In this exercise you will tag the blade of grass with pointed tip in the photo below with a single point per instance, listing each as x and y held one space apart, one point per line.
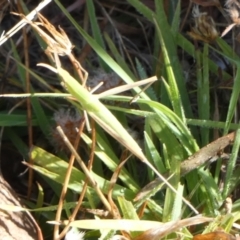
139 225
175 78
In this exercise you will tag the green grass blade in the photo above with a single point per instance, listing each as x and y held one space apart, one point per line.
231 165
153 154
142 8
203 92
174 74
212 192
120 60
234 100
143 75
38 110
17 142
55 169
15 119
176 19
96 31
211 124
129 212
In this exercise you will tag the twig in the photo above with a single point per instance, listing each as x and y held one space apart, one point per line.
85 170
22 23
211 152
66 181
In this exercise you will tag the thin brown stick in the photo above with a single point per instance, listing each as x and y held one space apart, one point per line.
85 170
84 189
93 147
211 152
29 108
114 210
186 16
141 210
66 180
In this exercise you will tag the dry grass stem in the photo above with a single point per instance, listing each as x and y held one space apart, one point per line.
85 170
23 22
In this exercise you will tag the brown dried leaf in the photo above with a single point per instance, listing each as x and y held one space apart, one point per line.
211 152
217 235
169 227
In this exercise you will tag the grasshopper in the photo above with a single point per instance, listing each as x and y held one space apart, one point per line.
59 44
106 119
